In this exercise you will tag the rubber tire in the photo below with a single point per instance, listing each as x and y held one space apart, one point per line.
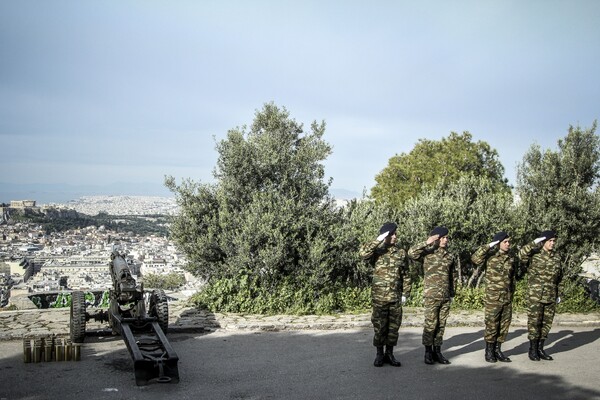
159 308
77 317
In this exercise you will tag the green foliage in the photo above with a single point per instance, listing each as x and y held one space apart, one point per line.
244 294
520 298
268 223
138 224
559 190
268 239
416 294
576 299
433 162
472 208
469 298
169 281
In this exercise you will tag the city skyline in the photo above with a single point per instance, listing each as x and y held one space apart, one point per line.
117 95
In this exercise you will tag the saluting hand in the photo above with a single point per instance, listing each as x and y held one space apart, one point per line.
495 242
383 236
432 238
540 239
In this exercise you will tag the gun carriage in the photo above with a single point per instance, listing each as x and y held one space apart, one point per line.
143 330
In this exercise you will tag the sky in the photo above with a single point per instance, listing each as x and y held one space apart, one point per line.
105 92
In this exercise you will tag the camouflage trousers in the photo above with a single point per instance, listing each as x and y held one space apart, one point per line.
436 314
497 321
539 319
386 319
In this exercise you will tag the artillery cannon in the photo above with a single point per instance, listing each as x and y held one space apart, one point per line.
144 331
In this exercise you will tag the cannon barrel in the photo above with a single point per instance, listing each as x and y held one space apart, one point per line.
124 284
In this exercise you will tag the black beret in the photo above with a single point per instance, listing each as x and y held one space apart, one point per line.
549 234
500 236
388 227
439 230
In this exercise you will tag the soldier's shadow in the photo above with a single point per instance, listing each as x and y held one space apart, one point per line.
566 340
557 342
463 343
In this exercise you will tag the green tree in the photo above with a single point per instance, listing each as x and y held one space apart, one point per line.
559 190
472 208
268 222
169 281
431 162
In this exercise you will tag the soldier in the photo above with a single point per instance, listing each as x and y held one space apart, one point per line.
500 277
544 276
438 290
391 287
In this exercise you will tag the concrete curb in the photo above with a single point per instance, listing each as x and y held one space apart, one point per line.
14 325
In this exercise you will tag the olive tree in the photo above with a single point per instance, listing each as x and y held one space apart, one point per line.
269 219
559 190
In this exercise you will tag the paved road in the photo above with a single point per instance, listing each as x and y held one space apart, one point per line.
315 365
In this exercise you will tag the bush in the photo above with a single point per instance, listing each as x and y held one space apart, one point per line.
245 295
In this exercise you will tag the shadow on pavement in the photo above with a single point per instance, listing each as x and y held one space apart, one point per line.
292 365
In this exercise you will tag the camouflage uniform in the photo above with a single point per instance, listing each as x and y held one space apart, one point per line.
544 276
438 288
391 281
500 277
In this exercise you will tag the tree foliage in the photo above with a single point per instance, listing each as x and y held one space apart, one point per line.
559 190
269 217
268 237
472 208
431 162
169 281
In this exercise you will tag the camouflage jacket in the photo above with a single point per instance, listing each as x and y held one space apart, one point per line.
500 273
544 272
438 270
391 279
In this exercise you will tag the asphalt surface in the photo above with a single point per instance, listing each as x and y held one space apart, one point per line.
315 364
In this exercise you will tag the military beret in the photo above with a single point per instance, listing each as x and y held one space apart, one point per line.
439 230
549 234
388 227
500 236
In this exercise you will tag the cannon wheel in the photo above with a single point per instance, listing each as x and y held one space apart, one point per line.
77 317
159 308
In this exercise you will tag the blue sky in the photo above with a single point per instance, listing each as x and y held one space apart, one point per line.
97 92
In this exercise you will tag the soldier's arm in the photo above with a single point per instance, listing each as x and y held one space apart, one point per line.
478 258
453 278
368 249
527 251
406 281
519 269
417 250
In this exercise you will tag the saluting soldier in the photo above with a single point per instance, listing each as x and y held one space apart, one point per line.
438 289
500 275
391 287
544 277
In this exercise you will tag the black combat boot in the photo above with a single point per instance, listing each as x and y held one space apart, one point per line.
428 355
379 357
541 353
533 350
499 354
490 355
438 356
389 357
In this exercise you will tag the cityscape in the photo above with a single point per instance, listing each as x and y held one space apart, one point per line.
34 261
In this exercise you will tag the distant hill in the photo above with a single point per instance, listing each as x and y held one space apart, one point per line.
60 193
44 193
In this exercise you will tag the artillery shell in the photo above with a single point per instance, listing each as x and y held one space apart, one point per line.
77 351
27 350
